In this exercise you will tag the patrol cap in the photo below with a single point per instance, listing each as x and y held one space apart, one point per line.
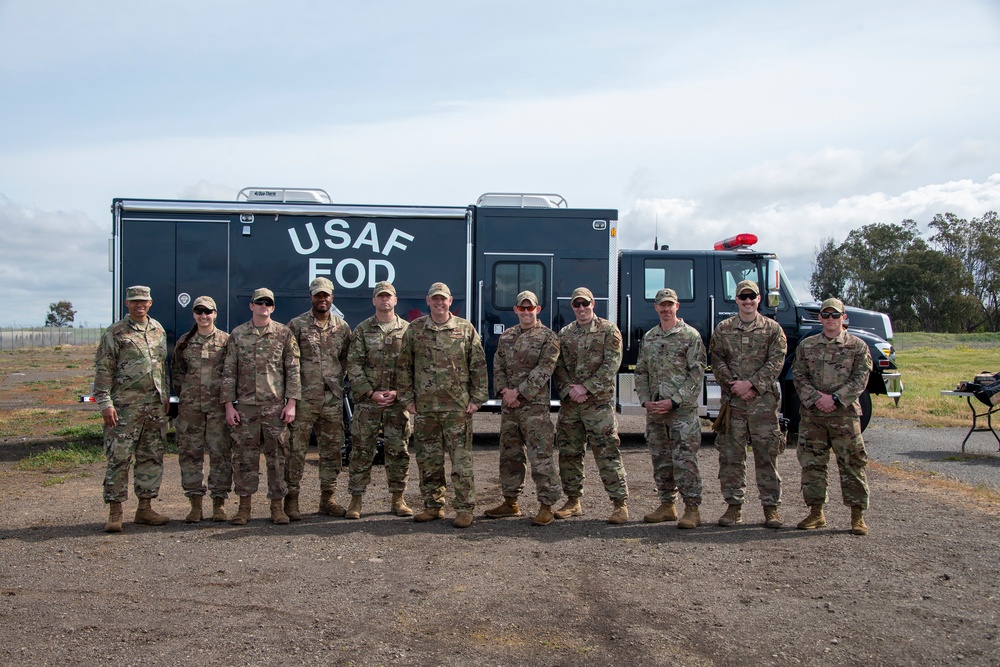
321 285
747 285
527 295
138 293
384 287
262 293
836 304
206 301
665 294
581 293
438 289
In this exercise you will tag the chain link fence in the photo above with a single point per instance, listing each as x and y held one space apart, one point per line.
17 339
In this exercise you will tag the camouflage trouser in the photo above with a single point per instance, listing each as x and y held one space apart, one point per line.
754 424
437 433
582 422
199 432
526 435
141 432
328 421
817 435
260 428
394 422
674 440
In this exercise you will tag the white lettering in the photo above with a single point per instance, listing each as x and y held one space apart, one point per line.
374 265
314 267
358 266
313 241
393 243
368 237
343 238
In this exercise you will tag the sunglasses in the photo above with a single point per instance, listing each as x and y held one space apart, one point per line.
524 309
263 302
203 311
827 316
581 304
746 297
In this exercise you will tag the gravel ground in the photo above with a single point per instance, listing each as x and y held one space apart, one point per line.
923 588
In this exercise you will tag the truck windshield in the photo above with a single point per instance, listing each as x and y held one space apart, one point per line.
786 287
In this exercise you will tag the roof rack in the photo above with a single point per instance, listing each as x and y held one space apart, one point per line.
522 200
314 195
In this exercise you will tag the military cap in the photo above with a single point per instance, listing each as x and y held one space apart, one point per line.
665 294
836 304
206 301
438 289
581 293
747 285
138 293
527 295
384 287
321 285
262 293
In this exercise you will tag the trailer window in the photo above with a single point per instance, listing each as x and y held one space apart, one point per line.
677 274
512 278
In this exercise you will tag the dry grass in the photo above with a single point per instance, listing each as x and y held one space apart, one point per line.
946 490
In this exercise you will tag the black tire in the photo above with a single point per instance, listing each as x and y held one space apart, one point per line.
866 409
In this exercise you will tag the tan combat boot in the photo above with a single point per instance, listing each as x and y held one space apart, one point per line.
429 514
219 509
620 515
146 515
194 516
399 506
114 524
292 510
328 505
508 507
771 517
733 516
278 515
243 513
858 525
665 512
544 516
462 520
815 518
571 508
691 518
354 509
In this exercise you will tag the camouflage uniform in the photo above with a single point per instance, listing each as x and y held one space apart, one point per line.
323 355
752 351
201 418
371 366
589 355
130 375
833 366
261 371
671 365
442 369
524 361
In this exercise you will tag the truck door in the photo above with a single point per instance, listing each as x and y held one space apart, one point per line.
505 276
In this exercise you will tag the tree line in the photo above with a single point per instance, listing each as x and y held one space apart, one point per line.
948 282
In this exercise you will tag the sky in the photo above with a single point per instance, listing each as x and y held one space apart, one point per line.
796 121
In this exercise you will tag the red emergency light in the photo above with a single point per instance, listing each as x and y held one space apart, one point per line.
738 241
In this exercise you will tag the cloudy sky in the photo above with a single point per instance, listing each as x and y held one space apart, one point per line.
797 121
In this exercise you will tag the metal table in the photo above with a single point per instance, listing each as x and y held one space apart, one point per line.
987 412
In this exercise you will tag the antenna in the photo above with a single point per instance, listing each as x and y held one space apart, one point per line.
656 233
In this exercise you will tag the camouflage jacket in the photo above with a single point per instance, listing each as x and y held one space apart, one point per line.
671 365
372 357
832 366
196 369
130 365
589 355
261 369
525 360
322 354
754 351
442 367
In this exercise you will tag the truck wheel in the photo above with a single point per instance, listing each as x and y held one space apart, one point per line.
866 409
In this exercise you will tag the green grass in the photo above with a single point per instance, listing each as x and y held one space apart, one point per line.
82 432
62 459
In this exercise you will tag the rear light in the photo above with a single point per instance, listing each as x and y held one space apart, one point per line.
884 363
738 241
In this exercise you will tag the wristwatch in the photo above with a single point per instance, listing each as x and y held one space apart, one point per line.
837 402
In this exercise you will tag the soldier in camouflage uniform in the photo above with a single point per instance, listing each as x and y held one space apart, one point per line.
442 380
201 418
748 351
130 386
830 372
669 375
522 367
323 339
590 351
371 368
260 387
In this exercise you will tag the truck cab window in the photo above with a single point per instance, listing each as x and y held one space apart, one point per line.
677 274
511 278
734 271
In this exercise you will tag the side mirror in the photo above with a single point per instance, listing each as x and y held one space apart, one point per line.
773 298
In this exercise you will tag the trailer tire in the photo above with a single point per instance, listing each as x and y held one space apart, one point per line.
866 409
